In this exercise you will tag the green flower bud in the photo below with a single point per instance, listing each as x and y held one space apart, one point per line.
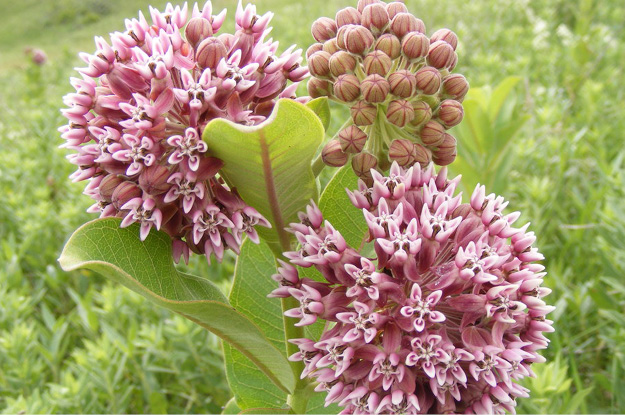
402 151
443 160
415 45
377 62
352 139
403 83
358 39
362 164
209 53
331 46
447 36
315 47
323 29
332 155
422 155
404 23
447 147
363 113
400 112
455 86
428 80
450 113
319 88
389 44
197 30
432 134
422 113
347 88
374 88
375 17
346 16
342 62
319 64
440 54
395 7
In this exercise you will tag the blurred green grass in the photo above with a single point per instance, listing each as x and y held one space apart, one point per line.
76 343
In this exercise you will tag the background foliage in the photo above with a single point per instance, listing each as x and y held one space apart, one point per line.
76 343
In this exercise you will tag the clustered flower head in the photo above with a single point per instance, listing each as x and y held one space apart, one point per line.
140 108
441 311
397 81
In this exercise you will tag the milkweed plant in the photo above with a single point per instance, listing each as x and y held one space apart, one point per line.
386 292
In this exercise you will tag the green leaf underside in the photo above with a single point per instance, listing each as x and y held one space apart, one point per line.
231 408
269 164
321 107
252 283
147 268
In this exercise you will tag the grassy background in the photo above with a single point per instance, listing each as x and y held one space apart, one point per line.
77 343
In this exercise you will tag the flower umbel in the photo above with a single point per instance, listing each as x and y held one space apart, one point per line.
442 314
141 105
397 81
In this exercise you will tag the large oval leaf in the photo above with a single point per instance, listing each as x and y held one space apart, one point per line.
147 268
252 283
269 164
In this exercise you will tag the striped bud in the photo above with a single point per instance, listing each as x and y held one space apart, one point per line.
362 164
364 3
440 54
197 30
315 47
323 29
377 62
443 160
346 16
422 113
374 88
428 80
422 155
404 23
153 179
319 88
123 193
108 185
331 46
319 64
432 134
403 83
399 112
347 88
455 86
447 147
450 113
375 17
389 44
342 62
210 52
332 155
357 39
352 139
415 45
402 151
395 7
363 113
447 36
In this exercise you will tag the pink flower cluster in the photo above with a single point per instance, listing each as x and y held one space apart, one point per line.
140 108
441 310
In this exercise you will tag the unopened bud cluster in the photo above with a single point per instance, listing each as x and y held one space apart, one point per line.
140 108
397 81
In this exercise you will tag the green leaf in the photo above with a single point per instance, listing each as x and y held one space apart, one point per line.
231 408
269 164
500 96
147 268
266 411
252 283
339 210
317 402
322 109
